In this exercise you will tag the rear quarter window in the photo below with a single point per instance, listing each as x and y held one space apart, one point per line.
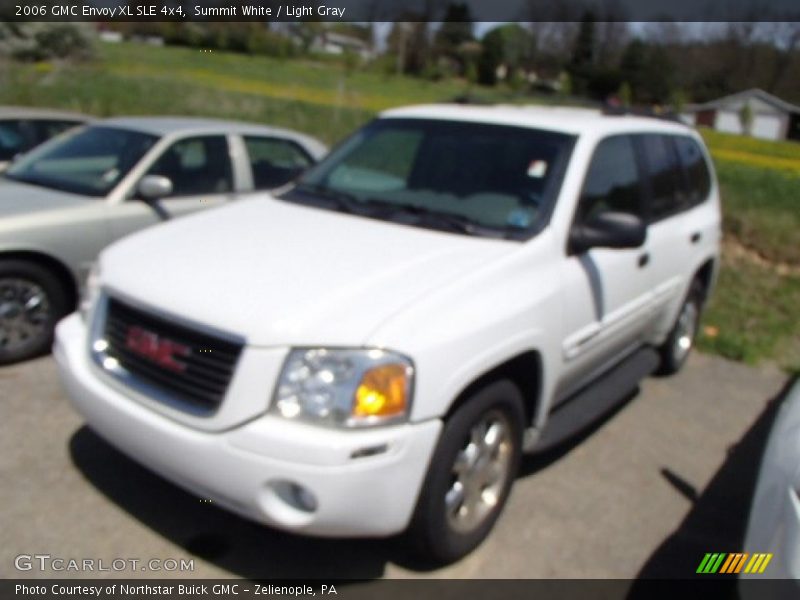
696 169
665 176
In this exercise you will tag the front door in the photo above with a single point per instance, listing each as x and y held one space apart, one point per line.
607 296
201 175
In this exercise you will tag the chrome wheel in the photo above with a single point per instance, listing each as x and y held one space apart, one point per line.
480 472
685 330
25 313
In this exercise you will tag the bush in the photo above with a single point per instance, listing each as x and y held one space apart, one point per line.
44 41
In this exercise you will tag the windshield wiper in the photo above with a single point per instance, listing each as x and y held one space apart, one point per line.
449 221
383 209
344 201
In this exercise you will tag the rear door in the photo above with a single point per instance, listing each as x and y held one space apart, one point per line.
668 199
607 293
682 227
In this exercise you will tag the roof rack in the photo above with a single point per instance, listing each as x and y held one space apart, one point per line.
640 111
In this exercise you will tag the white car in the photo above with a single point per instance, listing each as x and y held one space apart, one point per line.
370 351
774 526
66 200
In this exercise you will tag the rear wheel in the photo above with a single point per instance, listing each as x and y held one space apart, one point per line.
470 474
675 350
32 300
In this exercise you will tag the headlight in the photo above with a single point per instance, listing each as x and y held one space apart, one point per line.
90 291
344 387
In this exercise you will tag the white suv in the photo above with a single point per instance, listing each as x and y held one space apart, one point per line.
371 350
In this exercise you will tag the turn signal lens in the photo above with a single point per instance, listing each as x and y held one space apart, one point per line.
383 392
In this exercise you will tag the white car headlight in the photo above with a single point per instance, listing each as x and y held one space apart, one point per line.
90 291
344 387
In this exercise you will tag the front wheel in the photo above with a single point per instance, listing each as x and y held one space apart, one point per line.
470 474
31 302
680 341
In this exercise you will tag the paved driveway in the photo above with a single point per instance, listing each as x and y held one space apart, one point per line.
667 477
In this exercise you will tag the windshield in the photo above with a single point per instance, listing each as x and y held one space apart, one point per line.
472 178
89 161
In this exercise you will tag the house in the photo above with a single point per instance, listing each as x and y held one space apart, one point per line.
769 117
330 42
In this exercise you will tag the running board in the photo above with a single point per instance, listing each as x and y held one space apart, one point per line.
598 398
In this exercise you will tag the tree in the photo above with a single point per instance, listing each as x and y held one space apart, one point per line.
453 34
649 71
625 94
45 41
581 64
410 43
746 118
507 45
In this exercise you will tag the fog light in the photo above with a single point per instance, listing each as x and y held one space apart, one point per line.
304 498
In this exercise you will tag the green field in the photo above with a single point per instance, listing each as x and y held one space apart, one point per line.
755 313
321 98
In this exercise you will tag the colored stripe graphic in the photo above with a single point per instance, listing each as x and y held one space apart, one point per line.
740 564
765 563
722 562
701 568
730 561
716 565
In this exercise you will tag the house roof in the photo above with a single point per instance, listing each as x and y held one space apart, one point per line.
745 95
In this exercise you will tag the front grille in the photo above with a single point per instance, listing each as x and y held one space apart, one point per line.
198 376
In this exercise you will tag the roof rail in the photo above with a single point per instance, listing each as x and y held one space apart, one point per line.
640 111
468 99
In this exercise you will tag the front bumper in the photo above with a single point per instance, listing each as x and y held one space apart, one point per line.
363 483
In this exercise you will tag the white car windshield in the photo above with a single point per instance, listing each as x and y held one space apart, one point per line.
89 161
465 177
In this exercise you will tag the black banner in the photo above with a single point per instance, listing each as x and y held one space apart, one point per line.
706 587
399 10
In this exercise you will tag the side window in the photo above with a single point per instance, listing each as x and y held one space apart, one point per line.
694 164
199 165
667 193
12 139
275 161
612 182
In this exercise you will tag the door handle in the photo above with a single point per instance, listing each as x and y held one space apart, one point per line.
695 237
644 259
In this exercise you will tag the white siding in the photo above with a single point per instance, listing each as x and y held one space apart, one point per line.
767 127
728 121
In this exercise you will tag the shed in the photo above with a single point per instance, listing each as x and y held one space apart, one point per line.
772 118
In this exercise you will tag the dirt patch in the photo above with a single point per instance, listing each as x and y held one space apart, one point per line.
733 249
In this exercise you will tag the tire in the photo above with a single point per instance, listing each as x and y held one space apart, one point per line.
32 300
451 518
676 349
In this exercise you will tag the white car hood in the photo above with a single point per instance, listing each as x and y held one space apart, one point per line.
282 274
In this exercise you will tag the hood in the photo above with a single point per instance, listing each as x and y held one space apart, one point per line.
278 273
18 199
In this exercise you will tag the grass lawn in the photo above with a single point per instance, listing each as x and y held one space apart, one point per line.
320 98
755 313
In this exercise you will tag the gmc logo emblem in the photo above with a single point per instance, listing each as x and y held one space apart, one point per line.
161 351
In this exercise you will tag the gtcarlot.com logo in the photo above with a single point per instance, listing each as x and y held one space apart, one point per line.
741 562
47 562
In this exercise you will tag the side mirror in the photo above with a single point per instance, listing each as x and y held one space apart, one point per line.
154 187
608 230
